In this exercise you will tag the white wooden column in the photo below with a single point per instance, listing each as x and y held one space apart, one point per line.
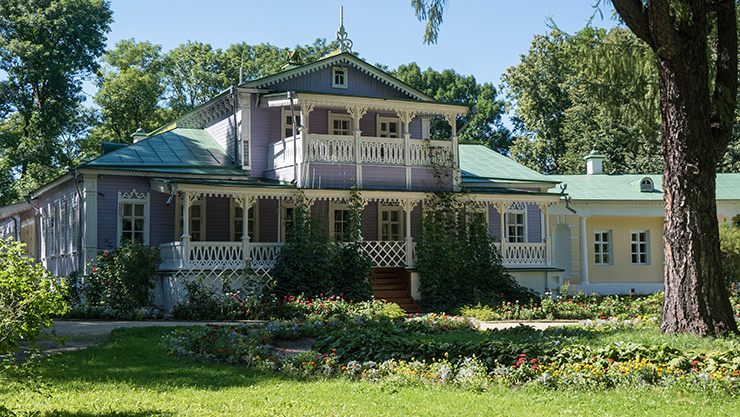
456 178
306 109
408 207
90 224
187 200
501 207
245 202
406 116
584 252
357 113
544 209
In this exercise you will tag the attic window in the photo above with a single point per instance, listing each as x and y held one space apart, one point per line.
339 77
646 185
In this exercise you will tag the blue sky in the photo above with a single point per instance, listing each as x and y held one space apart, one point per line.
478 37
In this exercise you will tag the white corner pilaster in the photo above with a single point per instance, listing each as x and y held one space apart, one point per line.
245 130
584 252
90 225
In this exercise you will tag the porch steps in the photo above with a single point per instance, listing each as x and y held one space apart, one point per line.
392 284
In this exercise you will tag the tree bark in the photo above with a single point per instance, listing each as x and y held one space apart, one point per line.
696 129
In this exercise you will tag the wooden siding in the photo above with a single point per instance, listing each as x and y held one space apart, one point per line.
265 129
358 84
223 132
370 221
415 223
268 220
423 179
218 218
494 223
534 224
162 219
383 178
332 176
108 188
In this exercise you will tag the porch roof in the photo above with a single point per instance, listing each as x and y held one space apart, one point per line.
182 151
480 164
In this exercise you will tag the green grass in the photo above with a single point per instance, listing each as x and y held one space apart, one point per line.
130 375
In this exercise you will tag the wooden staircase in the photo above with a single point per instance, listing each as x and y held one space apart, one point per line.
394 285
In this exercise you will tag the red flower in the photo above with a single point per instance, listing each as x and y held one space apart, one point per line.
695 363
94 269
533 361
107 282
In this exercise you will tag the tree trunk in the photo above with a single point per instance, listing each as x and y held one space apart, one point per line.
696 300
696 127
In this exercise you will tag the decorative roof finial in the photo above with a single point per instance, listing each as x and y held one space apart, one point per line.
345 44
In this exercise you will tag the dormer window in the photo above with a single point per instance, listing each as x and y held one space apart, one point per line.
646 185
339 77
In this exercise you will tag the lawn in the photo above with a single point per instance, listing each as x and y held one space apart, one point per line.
130 374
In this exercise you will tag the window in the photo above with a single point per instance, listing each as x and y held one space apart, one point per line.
515 226
288 220
63 221
197 225
236 222
133 217
646 185
388 127
602 247
287 123
389 223
640 247
340 124
339 222
339 77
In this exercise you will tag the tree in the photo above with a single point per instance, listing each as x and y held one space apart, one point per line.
195 74
46 47
695 42
484 125
593 89
131 91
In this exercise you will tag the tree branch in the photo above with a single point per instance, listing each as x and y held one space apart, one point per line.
634 13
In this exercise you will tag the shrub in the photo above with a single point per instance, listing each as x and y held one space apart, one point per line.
729 243
29 297
123 277
457 260
351 265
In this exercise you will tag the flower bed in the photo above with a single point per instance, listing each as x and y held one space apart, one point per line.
445 350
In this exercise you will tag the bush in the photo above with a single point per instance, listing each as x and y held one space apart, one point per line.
124 277
457 260
729 243
29 298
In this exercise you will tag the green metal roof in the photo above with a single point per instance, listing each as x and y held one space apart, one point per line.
481 164
187 151
626 187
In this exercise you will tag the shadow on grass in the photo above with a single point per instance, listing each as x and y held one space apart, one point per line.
134 356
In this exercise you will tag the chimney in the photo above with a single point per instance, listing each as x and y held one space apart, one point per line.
594 163
139 135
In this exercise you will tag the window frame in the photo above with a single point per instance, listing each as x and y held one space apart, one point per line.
133 197
599 255
388 209
284 116
523 225
339 116
345 77
646 242
284 207
333 208
385 119
254 208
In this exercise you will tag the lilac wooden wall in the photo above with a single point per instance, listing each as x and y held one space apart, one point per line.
61 259
534 224
494 223
423 179
370 221
218 219
223 132
383 178
162 219
108 188
332 176
268 220
358 84
265 128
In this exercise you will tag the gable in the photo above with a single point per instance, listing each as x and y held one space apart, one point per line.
367 77
358 84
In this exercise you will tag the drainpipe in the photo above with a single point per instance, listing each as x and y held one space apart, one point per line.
291 96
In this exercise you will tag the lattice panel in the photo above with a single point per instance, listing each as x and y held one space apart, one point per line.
386 254
220 282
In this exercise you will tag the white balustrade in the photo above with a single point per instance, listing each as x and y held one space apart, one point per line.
172 256
525 254
280 153
205 255
264 255
386 254
331 148
386 151
433 152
